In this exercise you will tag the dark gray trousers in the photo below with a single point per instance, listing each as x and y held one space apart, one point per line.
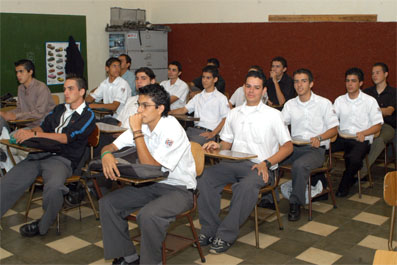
246 186
303 159
160 202
194 135
54 170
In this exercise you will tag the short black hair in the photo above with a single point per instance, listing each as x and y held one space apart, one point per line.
281 60
384 66
159 96
80 81
355 71
149 72
127 59
112 60
177 64
306 72
27 64
256 74
214 61
211 69
257 68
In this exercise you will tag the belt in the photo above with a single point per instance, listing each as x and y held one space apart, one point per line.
202 128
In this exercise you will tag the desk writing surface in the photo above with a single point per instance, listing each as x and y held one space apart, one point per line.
140 181
20 122
183 117
108 128
228 154
20 147
300 141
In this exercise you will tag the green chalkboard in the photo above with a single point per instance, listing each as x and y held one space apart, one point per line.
24 36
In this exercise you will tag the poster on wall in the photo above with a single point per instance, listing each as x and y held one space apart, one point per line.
56 61
116 44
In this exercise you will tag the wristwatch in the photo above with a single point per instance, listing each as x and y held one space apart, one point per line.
319 138
268 164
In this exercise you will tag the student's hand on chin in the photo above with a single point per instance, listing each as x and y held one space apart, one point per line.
136 121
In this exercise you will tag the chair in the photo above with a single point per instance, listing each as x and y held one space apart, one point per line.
384 257
326 169
93 141
174 243
266 189
387 161
55 98
390 197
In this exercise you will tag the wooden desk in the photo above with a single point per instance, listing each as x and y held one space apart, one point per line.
7 143
102 112
228 154
140 181
184 119
108 128
20 123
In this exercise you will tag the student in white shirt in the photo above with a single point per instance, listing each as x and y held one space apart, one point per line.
238 97
114 90
210 105
177 88
359 115
252 128
312 119
160 140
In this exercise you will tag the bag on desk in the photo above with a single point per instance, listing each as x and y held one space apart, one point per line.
129 166
44 144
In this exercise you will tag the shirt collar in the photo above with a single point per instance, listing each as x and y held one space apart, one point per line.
359 98
311 99
32 83
79 109
115 82
244 107
157 129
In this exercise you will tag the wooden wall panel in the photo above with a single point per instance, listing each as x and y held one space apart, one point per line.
328 49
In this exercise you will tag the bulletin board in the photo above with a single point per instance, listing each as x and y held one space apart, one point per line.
24 36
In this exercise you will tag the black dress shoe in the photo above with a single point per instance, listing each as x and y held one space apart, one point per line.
121 261
294 212
30 230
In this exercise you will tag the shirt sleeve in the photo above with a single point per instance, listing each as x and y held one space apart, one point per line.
330 118
123 92
226 133
224 107
126 139
181 92
191 104
171 147
233 98
375 114
281 130
98 93
286 114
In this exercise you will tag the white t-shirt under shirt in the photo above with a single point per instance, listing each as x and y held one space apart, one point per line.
118 90
170 147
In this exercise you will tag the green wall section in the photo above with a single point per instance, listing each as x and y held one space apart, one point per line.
24 36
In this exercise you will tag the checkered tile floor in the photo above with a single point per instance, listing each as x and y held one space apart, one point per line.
349 234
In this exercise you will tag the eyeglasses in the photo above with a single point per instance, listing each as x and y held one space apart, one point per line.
144 105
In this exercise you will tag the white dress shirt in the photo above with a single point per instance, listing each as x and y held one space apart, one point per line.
256 130
129 109
118 90
311 118
170 147
211 108
179 89
359 114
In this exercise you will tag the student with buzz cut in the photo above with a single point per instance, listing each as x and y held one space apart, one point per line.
252 128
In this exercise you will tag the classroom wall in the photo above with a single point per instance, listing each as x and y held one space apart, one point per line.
197 12
97 14
328 49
